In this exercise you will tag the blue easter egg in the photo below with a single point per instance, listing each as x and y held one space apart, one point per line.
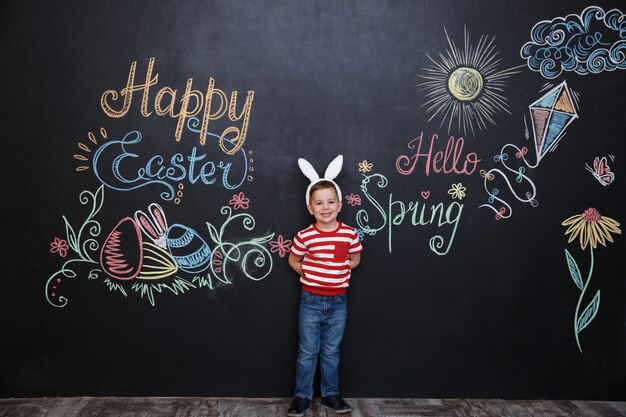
189 250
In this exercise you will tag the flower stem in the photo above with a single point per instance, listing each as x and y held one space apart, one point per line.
580 299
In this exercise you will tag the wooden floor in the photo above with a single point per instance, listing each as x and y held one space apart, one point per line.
259 407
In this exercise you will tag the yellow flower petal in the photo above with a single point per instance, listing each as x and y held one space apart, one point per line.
571 220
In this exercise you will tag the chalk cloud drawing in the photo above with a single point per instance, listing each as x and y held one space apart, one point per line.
550 116
464 86
589 43
590 228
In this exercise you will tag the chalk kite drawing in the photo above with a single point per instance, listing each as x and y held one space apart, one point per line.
590 228
464 86
550 116
601 171
589 43
144 253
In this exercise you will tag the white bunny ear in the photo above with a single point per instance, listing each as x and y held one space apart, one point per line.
334 168
158 216
308 170
155 225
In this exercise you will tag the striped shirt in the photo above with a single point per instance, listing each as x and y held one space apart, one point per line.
326 267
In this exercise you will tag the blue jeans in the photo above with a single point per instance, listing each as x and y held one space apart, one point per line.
321 325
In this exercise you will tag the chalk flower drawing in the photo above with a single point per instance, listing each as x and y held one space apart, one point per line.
280 246
239 201
82 242
365 166
59 245
353 199
457 191
590 228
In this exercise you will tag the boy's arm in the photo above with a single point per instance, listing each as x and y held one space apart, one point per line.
295 262
355 259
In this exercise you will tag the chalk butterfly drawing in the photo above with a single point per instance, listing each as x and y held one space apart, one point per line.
601 171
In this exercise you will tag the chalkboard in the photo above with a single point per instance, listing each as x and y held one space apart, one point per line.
152 193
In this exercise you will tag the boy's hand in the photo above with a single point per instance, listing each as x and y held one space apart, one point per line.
355 260
295 262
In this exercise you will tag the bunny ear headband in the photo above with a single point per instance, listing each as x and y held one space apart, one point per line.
331 173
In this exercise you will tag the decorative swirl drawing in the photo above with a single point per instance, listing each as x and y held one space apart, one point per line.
82 243
157 270
362 217
505 211
250 256
589 43
550 115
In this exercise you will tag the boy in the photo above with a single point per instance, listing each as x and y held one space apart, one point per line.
323 255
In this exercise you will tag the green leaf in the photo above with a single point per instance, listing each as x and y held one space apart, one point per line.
573 270
214 233
589 313
98 199
261 240
71 236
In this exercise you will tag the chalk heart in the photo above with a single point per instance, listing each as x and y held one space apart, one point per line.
425 194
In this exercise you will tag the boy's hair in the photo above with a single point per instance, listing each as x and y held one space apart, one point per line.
322 185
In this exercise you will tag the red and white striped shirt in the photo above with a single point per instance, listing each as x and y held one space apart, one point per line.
326 267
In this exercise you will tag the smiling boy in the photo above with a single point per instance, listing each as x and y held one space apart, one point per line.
323 255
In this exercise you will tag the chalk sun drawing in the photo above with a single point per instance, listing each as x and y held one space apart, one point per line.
464 87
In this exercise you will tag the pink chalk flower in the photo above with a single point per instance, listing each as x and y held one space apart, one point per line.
59 245
353 199
239 201
280 246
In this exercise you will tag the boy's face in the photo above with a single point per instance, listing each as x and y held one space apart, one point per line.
324 205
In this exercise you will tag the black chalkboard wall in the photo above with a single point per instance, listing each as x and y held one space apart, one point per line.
152 190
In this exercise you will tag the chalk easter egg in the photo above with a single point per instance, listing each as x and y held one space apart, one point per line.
122 252
188 248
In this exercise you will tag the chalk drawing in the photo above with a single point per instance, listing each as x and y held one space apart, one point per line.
589 43
143 254
550 115
591 229
601 171
464 86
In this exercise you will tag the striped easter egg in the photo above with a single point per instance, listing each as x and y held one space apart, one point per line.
188 248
